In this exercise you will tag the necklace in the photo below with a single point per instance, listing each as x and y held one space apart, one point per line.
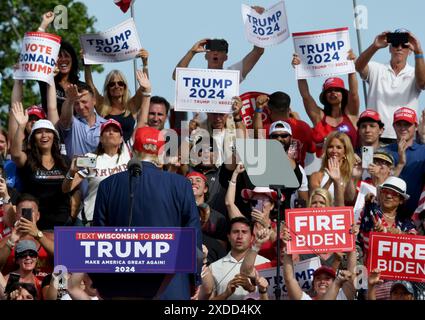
389 217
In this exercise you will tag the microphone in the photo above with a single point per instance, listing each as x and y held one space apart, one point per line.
134 167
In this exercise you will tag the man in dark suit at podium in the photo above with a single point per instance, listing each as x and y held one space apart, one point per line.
161 199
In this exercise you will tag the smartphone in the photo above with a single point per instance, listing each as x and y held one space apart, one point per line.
397 38
259 205
27 213
86 162
367 157
13 278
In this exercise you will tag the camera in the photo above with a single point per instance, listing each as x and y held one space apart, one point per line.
217 45
398 38
86 162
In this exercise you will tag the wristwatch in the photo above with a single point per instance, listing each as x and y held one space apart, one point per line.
39 235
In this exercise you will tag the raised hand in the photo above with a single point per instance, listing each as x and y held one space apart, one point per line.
381 40
351 55
295 60
261 101
20 115
373 278
199 46
236 106
333 170
143 81
414 44
144 55
258 9
71 93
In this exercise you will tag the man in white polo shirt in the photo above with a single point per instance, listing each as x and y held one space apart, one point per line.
396 84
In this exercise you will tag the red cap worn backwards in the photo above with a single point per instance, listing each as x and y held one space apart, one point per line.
405 114
148 140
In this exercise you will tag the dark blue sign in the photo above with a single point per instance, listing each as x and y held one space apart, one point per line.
126 249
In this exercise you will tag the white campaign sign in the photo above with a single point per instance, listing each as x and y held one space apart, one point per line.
303 273
119 43
38 57
365 188
268 28
206 90
323 53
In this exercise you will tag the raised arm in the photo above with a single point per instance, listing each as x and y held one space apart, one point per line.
353 103
72 96
52 110
363 60
145 84
73 179
232 209
373 280
260 103
88 77
20 116
187 58
136 101
415 46
47 19
313 110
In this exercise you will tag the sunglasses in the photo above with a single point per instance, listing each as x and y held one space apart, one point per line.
277 136
113 83
30 253
396 45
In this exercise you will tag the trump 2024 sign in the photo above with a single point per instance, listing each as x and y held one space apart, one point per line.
320 230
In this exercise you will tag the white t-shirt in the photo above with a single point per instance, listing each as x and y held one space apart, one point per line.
105 167
225 269
341 296
388 92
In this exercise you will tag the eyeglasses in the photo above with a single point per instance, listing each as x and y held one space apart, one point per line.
28 253
277 136
113 83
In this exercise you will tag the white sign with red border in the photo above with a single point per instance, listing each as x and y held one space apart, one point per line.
323 53
316 230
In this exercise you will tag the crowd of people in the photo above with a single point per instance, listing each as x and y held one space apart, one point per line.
200 184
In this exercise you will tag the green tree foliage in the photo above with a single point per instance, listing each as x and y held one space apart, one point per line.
20 16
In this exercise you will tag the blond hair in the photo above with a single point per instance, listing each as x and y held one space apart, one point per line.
347 163
325 194
106 107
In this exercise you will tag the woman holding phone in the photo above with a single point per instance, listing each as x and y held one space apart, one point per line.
111 156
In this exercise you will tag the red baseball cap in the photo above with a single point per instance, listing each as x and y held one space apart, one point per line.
148 140
370 115
332 83
197 174
110 122
326 270
36 111
405 114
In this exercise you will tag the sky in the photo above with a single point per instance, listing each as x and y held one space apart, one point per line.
168 29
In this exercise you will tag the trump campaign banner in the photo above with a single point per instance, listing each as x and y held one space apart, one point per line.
248 109
38 57
323 53
399 257
268 28
119 43
303 273
126 249
320 230
206 90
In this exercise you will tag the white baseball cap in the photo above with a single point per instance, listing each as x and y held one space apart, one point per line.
280 126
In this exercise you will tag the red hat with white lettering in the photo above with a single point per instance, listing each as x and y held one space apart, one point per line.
148 140
370 115
405 114
335 83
